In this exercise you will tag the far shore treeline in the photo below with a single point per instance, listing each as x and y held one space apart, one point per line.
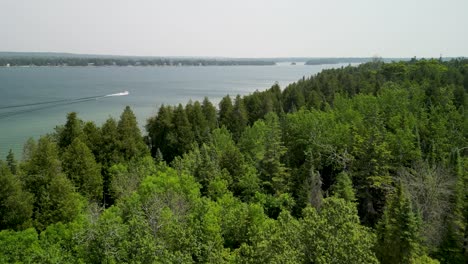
360 164
13 59
93 61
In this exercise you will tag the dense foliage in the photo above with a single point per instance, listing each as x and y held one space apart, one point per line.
363 164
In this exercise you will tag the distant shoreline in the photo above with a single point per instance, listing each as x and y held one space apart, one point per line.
130 66
35 59
289 64
72 62
168 66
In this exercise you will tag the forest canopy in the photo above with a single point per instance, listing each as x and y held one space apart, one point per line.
362 164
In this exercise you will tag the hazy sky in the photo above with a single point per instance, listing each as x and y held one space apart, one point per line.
237 28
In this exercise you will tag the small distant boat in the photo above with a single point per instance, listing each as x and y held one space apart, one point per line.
122 93
293 63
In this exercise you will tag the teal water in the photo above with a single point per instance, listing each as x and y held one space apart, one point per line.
148 88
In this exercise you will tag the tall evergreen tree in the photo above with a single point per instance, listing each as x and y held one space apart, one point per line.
11 162
181 136
92 137
79 165
452 248
109 154
293 98
210 114
71 130
198 121
252 142
238 119
225 111
208 169
273 172
131 141
109 146
343 187
253 104
268 104
398 239
158 129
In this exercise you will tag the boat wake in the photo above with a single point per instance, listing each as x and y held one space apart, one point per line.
118 94
24 108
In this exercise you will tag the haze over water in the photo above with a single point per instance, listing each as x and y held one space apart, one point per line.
84 90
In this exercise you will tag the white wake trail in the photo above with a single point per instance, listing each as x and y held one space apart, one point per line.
118 94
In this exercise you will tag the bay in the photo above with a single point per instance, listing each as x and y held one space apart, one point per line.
34 100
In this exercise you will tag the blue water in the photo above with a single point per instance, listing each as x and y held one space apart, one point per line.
148 87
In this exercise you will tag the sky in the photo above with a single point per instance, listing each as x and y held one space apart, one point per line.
237 28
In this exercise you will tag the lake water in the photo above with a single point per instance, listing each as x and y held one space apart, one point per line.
81 89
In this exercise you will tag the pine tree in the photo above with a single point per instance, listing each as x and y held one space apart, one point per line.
158 129
131 141
239 118
159 158
92 137
252 142
181 135
267 105
81 168
293 98
253 104
398 231
343 187
109 154
11 162
452 248
71 130
273 172
225 111
276 97
207 169
198 121
210 114
109 146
